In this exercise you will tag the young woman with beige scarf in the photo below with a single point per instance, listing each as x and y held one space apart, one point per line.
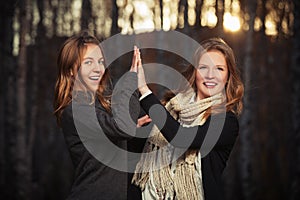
216 93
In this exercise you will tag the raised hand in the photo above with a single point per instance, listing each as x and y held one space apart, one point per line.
135 57
142 85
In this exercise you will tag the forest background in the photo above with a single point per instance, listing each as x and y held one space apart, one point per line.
265 35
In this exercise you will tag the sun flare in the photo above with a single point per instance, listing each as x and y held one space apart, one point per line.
231 23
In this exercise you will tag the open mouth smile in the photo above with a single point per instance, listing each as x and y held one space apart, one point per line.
94 78
210 84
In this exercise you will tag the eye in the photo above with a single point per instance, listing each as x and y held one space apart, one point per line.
88 62
201 67
101 62
220 68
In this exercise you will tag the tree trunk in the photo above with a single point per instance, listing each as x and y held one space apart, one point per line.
23 156
114 16
32 93
294 135
263 16
161 5
86 14
184 3
246 119
220 14
199 4
54 9
7 99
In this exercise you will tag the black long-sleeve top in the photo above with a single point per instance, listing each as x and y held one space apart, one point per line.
90 147
214 162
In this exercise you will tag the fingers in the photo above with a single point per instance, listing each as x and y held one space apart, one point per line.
135 57
138 68
139 60
143 120
134 61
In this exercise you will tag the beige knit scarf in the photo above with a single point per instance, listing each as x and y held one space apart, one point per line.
186 181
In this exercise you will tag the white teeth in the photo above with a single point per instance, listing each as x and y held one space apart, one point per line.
210 84
94 77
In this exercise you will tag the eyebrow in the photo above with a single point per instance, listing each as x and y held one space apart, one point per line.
214 65
92 58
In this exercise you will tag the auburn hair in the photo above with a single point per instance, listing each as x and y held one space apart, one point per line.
234 87
69 59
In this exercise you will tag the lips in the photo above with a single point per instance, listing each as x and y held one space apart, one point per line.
94 78
210 84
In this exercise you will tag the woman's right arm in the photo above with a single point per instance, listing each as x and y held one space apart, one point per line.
121 123
191 137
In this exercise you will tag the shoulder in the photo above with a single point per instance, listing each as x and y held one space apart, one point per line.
82 112
67 112
229 117
231 114
231 126
232 118
99 107
67 119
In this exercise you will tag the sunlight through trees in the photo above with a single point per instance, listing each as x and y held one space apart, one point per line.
64 18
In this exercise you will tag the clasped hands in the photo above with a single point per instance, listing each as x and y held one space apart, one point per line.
137 67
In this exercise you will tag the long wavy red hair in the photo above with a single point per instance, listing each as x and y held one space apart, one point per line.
68 62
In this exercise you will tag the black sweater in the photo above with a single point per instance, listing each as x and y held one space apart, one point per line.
214 162
96 179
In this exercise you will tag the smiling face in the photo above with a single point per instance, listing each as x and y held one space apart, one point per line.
211 75
92 68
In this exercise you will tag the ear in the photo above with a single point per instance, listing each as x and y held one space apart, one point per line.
71 72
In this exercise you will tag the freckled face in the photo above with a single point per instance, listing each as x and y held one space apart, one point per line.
92 67
212 74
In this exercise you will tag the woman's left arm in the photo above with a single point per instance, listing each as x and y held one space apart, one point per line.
121 124
189 137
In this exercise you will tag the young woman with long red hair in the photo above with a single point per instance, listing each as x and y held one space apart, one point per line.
201 119
83 98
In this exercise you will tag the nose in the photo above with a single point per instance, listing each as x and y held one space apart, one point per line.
98 67
210 74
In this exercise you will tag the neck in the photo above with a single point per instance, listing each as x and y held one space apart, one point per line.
200 97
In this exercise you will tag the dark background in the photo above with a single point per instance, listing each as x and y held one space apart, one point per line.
34 161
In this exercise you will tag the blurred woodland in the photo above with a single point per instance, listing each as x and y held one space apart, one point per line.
265 35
